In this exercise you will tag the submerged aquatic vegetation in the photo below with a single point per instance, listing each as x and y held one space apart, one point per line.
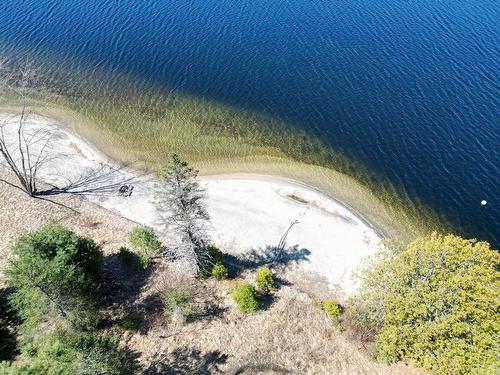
136 123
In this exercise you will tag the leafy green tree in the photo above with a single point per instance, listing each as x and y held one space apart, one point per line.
54 274
436 303
146 243
55 242
179 201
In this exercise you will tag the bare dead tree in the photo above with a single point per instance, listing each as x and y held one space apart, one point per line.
24 151
26 147
180 207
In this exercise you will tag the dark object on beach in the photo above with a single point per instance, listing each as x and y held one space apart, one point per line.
126 190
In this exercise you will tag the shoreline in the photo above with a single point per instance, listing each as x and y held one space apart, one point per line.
249 211
243 176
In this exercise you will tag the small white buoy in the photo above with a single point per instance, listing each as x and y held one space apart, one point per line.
483 203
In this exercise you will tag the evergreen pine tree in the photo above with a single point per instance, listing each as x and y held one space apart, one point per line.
181 211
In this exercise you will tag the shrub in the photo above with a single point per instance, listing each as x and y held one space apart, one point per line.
220 271
264 279
178 303
145 243
246 298
333 310
130 322
439 303
55 242
54 274
100 354
216 266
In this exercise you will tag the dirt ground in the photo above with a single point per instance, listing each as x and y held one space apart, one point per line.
289 336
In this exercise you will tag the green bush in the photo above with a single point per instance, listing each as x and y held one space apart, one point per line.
145 243
264 279
216 267
67 353
247 298
178 303
130 322
55 242
333 310
220 271
54 274
7 368
437 303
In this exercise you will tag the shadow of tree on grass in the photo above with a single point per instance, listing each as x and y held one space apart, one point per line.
100 180
122 279
186 361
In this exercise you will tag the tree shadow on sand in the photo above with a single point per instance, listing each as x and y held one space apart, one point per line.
187 361
100 180
271 256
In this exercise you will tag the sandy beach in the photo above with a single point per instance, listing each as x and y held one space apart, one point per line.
248 211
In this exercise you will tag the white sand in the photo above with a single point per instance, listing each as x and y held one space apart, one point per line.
247 211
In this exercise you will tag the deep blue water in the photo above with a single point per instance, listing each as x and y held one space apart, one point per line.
410 88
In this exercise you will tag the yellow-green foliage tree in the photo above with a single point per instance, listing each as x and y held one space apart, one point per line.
436 302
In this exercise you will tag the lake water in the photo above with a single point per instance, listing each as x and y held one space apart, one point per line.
409 88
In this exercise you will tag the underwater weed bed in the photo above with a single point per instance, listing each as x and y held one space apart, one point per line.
392 216
135 123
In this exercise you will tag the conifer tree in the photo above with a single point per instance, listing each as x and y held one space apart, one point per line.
181 211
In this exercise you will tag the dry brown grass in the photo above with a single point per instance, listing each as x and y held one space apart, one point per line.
289 336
